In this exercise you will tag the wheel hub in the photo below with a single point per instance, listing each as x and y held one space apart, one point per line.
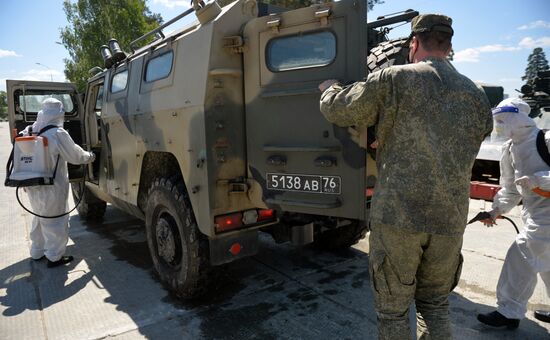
166 242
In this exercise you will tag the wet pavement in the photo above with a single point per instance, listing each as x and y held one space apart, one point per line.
284 292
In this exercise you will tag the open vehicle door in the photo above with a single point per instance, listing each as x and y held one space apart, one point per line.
25 100
302 162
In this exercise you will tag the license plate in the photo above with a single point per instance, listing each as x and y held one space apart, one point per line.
304 183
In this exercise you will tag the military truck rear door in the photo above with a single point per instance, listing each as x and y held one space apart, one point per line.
24 101
301 162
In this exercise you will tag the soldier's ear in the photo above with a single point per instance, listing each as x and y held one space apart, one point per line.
449 49
413 48
415 44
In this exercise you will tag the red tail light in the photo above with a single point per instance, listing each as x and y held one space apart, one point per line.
240 219
229 222
369 192
265 214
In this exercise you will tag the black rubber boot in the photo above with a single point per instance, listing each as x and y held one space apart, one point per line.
495 319
60 262
542 315
38 259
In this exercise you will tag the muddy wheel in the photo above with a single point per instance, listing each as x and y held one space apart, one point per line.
90 208
178 250
340 238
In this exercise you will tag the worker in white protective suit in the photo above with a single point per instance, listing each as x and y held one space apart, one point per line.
525 176
49 236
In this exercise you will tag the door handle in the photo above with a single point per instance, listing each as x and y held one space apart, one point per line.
277 160
325 161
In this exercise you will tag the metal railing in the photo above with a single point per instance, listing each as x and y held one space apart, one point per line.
197 4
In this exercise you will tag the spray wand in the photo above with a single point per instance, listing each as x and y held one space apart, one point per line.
483 215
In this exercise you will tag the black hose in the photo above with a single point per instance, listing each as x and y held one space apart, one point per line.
510 220
56 216
485 215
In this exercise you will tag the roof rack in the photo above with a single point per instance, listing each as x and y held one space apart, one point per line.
393 18
197 4
159 29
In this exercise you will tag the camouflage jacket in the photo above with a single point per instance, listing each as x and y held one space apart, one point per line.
430 123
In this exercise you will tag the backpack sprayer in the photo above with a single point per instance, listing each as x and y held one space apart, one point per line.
30 165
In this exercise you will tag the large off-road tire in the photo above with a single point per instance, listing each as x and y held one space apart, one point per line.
90 208
387 54
178 250
341 238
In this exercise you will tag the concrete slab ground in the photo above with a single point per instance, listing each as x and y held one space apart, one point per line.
284 292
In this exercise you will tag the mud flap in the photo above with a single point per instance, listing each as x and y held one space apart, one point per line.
225 249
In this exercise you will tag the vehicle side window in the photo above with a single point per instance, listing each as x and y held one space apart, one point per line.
159 67
99 101
119 81
301 51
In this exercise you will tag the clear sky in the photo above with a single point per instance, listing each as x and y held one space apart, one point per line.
493 38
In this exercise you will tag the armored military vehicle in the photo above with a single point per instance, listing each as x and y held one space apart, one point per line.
213 133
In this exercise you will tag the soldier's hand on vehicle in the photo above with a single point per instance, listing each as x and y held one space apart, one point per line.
92 157
326 84
355 134
525 182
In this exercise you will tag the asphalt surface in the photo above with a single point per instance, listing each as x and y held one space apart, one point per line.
284 292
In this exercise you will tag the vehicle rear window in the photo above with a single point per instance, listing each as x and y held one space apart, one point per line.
159 67
301 51
32 103
119 82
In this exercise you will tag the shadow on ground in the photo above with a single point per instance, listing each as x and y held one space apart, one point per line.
20 282
283 292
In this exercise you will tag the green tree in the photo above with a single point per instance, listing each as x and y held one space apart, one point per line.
535 63
3 105
293 4
91 23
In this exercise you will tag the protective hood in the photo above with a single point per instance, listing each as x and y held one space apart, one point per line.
512 121
52 113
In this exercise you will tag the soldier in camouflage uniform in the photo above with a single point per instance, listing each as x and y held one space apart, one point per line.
430 124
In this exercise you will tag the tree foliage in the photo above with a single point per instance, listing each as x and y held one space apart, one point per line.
3 105
536 62
293 4
91 23
371 3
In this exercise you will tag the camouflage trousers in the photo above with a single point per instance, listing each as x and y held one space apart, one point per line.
408 265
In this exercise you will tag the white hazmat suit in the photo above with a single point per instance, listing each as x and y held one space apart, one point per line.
49 236
524 176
